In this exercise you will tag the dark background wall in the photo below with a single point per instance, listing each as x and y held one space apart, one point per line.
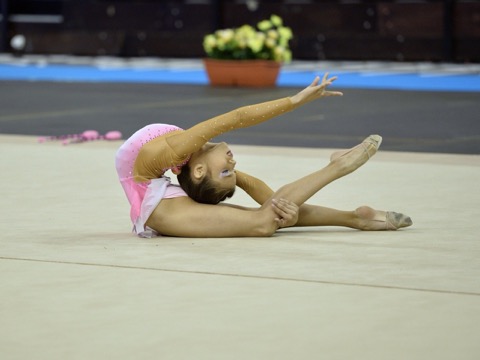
413 30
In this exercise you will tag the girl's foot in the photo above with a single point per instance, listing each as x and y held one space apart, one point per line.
370 219
351 159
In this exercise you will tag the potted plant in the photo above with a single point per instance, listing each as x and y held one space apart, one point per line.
248 56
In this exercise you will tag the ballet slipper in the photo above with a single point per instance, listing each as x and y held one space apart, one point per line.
349 160
370 145
395 221
382 220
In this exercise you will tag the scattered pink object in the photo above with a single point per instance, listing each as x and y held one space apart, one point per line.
87 135
113 135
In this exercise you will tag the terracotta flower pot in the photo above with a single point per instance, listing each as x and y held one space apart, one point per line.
247 73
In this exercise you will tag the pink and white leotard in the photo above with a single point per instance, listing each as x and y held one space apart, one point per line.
144 196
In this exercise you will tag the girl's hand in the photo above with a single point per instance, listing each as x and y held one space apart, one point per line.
286 211
315 91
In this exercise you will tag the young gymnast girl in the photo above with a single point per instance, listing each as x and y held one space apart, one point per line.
207 176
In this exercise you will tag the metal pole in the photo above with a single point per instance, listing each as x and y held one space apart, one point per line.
217 22
448 29
4 26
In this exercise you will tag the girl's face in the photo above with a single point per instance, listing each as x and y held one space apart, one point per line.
220 164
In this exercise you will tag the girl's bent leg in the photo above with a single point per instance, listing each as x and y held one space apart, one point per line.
301 190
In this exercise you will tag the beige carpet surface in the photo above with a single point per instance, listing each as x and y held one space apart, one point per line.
76 284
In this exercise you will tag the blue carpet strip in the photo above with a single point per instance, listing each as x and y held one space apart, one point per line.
359 80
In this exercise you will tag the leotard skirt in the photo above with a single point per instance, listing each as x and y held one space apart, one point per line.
143 197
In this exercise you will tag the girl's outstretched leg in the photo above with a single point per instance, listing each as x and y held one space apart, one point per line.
363 218
345 163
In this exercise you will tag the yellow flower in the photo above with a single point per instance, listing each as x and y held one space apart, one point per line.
226 35
243 44
256 43
221 43
278 53
246 30
276 20
272 34
209 42
285 32
264 25
268 41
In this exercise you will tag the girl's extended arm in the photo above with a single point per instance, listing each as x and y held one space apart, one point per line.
171 151
191 140
160 154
